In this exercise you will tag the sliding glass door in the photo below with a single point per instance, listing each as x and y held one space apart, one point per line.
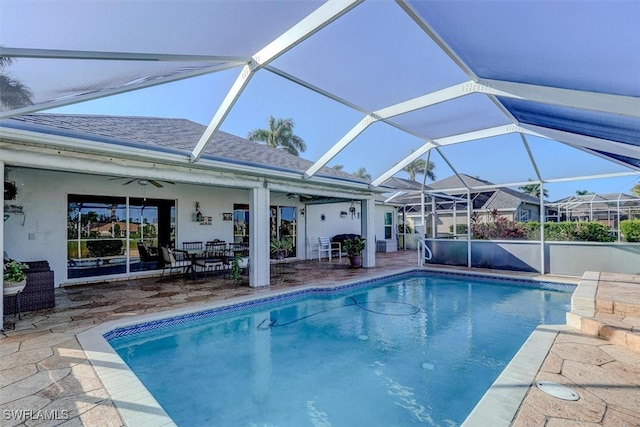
116 235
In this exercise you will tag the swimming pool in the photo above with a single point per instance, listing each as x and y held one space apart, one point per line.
412 349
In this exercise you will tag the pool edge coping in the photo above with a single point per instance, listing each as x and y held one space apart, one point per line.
501 402
137 406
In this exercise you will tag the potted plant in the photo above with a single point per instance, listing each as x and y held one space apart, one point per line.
280 248
14 277
354 247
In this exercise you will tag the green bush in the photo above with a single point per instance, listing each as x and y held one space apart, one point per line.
498 227
102 248
630 229
593 232
570 231
460 228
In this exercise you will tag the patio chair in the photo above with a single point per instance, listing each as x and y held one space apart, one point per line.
192 246
147 254
324 245
312 245
174 260
214 257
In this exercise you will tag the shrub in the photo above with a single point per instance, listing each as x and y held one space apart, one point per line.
593 232
402 228
570 231
630 229
498 227
502 228
460 228
102 248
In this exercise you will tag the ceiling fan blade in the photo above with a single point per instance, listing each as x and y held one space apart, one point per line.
156 183
129 182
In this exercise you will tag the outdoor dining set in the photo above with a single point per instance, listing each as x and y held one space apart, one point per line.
213 257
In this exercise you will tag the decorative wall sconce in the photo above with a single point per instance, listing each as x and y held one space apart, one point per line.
322 217
198 217
302 212
343 214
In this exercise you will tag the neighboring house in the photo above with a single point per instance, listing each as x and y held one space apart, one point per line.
70 169
450 196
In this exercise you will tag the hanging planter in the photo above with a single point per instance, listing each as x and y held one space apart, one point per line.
10 190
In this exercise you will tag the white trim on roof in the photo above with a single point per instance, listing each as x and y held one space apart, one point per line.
304 29
587 142
441 142
602 102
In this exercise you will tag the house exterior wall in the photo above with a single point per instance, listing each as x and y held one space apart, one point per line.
43 195
336 222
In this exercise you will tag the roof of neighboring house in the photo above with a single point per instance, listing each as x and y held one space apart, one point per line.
499 198
454 181
177 136
404 184
610 198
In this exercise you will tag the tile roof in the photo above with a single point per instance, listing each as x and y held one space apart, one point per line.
501 198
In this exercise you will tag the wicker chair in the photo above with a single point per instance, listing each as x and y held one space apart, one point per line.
39 292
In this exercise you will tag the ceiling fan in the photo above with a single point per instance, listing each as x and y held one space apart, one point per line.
143 181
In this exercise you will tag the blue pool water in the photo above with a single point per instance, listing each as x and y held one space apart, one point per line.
412 350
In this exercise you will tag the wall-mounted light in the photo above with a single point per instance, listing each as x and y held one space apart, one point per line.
322 217
302 211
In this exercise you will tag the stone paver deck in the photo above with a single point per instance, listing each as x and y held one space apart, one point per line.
46 378
602 367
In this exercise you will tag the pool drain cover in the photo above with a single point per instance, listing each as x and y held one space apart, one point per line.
557 390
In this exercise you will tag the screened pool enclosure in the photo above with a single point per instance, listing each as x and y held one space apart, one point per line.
517 93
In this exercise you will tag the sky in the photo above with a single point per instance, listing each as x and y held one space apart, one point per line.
321 122
372 66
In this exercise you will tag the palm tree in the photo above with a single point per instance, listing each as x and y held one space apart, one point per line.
362 173
582 192
417 168
13 94
279 135
533 190
337 167
636 190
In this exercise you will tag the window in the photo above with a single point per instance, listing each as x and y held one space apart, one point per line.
388 225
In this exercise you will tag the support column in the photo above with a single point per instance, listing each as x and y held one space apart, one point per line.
2 245
542 221
367 223
469 234
259 237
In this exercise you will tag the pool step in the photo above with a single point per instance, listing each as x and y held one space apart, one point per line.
596 311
